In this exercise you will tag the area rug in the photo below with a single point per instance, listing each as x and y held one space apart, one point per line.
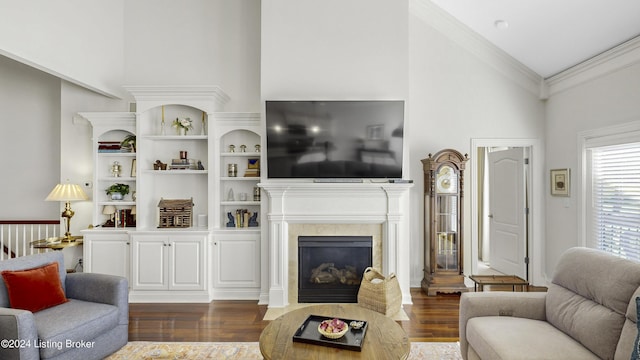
250 350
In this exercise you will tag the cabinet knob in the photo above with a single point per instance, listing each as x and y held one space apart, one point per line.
490 216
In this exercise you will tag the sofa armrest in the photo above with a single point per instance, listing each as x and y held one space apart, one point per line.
19 328
530 305
100 288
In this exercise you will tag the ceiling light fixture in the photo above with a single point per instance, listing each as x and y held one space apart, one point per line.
501 24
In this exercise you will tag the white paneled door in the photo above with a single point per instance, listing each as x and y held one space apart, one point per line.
507 197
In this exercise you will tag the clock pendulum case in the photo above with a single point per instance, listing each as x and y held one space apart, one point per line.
443 221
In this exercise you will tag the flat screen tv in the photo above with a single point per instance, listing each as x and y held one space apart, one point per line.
334 139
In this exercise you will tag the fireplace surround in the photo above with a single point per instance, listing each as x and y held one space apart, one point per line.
324 206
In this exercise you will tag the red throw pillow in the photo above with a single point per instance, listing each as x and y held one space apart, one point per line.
34 289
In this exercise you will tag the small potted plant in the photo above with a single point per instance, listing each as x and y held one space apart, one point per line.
117 191
129 143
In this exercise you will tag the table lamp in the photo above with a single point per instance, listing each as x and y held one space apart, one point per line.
109 210
67 193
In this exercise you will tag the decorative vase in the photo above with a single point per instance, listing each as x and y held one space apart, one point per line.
116 196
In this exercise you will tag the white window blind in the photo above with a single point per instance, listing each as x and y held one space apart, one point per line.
615 199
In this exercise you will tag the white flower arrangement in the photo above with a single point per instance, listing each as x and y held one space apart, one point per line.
184 123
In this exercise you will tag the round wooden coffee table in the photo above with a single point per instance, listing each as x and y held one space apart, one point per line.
384 339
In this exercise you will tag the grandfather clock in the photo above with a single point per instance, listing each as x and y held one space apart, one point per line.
443 200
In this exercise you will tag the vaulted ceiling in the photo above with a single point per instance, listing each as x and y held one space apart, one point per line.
549 36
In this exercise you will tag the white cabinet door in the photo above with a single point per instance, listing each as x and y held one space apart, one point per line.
168 262
149 262
107 254
237 261
187 262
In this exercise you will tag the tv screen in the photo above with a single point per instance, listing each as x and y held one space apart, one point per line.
334 139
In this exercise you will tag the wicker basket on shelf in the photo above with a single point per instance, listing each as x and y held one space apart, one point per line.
380 293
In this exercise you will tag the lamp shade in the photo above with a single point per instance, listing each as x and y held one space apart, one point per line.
109 210
67 192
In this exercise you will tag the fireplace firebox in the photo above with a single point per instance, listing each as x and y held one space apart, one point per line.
330 267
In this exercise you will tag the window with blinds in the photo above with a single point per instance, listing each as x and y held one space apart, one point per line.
615 199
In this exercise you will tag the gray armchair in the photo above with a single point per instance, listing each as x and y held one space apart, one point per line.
91 325
588 312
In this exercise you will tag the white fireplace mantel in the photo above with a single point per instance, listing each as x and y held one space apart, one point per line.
337 203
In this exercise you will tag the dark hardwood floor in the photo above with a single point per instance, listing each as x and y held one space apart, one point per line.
431 318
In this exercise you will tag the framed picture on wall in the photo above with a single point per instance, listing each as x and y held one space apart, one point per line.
560 180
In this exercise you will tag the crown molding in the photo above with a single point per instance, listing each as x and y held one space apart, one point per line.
477 45
622 56
210 98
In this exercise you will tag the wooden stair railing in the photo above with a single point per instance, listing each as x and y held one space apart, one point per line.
17 235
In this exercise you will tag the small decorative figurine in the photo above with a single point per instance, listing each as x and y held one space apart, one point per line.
159 165
253 220
232 148
257 147
116 168
243 148
232 222
200 166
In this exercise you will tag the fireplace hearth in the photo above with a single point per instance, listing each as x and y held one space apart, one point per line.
330 267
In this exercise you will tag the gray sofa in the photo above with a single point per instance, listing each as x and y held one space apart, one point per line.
588 312
91 325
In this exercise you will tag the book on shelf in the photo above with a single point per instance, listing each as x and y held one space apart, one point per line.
183 164
109 146
112 151
244 218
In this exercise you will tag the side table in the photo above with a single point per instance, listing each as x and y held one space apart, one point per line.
481 280
57 243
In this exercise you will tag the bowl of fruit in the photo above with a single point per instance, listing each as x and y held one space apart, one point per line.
333 328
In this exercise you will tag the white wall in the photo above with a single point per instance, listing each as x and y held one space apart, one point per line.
29 141
196 42
611 98
334 49
457 96
81 41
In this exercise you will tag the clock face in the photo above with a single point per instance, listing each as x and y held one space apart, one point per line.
446 180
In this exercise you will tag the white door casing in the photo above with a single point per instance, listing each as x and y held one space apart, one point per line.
536 195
